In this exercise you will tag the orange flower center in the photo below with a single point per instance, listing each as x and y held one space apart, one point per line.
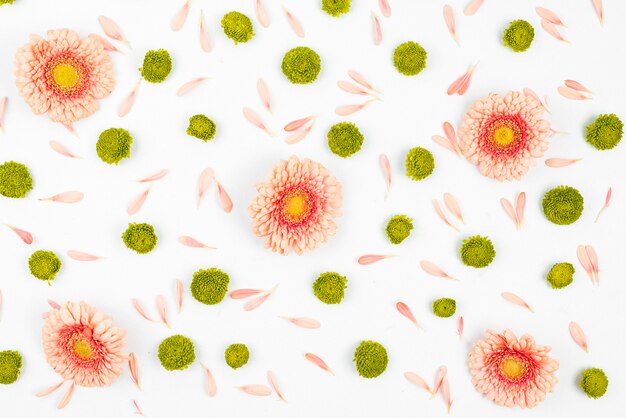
296 206
504 134
513 368
66 76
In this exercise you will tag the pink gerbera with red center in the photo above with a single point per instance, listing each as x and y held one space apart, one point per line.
296 207
512 371
63 75
503 136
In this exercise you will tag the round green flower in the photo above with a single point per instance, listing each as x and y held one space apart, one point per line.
410 58
157 65
44 265
209 286
561 275
519 35
6 2
371 359
420 163
594 382
329 287
563 205
345 139
606 132
10 366
236 355
113 145
301 65
15 180
444 307
399 228
176 352
477 251
336 7
201 127
237 27
140 237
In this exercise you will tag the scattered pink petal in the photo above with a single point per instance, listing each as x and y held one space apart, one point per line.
386 167
531 92
508 207
607 202
138 410
180 17
298 123
252 117
160 303
443 215
444 143
211 385
204 181
82 256
134 369
53 304
48 391
583 257
108 46
348 87
473 7
264 94
453 206
578 336
70 128
549 15
597 5
551 29
203 35
434 270
112 30
271 379
24 235
137 203
448 17
188 241
385 8
66 197
577 86
593 259
461 84
190 85
561 162
299 135
261 13
308 323
359 78
256 390
520 207
244 293
128 102
448 130
405 311
460 326
225 201
445 391
180 293
318 362
347 110
378 32
60 148
441 375
570 93
67 397
365 260
417 381
154 177
3 107
513 298
294 23
258 301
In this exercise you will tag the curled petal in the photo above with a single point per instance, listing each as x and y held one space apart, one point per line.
318 362
271 379
211 385
24 235
578 335
513 298
190 85
225 201
137 203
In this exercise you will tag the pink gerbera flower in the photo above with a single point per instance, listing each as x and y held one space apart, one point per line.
63 75
296 207
512 371
504 135
82 346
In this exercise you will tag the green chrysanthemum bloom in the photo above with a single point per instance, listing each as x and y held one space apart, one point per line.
237 27
209 286
6 2
371 359
561 275
606 132
10 366
329 287
157 65
301 65
345 139
201 127
519 35
140 237
477 251
399 228
594 382
420 163
44 265
444 307
409 58
236 355
15 180
176 352
114 145
336 7
563 205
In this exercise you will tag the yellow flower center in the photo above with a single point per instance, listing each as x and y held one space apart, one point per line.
513 368
504 135
83 349
296 206
65 75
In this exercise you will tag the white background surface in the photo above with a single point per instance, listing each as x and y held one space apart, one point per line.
413 110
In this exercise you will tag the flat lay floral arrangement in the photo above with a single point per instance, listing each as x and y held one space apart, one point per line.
319 209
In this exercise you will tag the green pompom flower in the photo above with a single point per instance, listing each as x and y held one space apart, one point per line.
605 132
594 382
114 145
201 127
420 163
345 139
176 352
399 228
301 65
236 355
157 65
561 275
336 7
209 286
10 366
563 205
6 2
44 265
444 307
329 287
15 180
237 27
371 359
409 58
477 251
140 237
519 35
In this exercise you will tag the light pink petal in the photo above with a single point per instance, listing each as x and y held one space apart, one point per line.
82 256
513 298
367 259
134 369
140 310
578 335
188 241
256 390
551 29
252 117
67 397
299 135
128 102
318 362
24 235
160 303
348 87
473 7
448 130
560 162
244 293
136 204
3 107
385 8
294 23
138 410
211 385
607 202
190 85
154 177
453 206
405 311
347 110
570 93
444 143
386 167
225 201
261 13
308 323
359 78
442 215
203 35
264 94
593 259
417 381
180 292
66 197
441 375
583 257
298 123
549 15
271 379
597 5
53 304
378 32
60 148
461 84
204 181
459 326
108 46
180 17
508 208
448 17
48 391
70 127
434 270
577 86
520 207
258 301
445 391
111 29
